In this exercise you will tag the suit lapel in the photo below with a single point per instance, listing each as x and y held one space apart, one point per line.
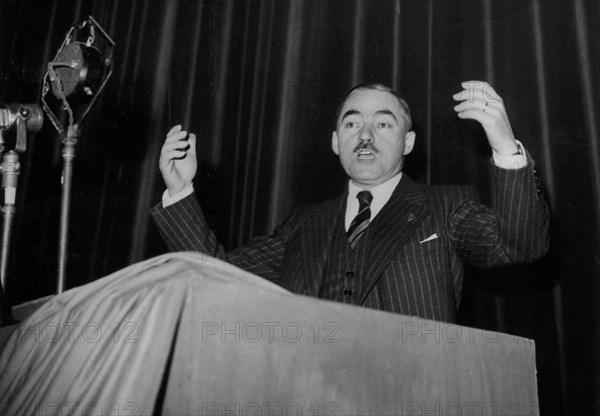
315 241
397 220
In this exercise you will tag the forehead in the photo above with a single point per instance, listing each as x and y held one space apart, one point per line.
370 101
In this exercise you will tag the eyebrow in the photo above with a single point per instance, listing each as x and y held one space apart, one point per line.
386 112
377 113
349 113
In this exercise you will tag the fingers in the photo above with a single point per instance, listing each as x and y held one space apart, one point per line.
181 144
174 129
479 101
176 135
171 155
479 110
173 150
478 115
478 91
477 104
177 145
178 139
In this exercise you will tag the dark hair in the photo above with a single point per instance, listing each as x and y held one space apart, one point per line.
405 110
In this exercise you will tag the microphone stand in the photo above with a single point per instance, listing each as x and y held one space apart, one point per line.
10 168
68 154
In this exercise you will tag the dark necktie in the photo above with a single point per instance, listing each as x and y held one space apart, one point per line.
361 221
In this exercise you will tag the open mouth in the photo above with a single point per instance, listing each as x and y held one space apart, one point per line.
366 154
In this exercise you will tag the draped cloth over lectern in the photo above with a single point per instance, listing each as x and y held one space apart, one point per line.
188 334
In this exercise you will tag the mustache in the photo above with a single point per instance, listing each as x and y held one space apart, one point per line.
366 146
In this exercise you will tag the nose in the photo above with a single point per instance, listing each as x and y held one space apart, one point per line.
366 133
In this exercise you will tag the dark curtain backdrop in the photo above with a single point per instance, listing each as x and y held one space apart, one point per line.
259 82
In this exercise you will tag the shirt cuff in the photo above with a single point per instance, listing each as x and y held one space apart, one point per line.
170 200
516 161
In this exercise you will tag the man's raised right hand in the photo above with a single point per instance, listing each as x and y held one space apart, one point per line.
178 162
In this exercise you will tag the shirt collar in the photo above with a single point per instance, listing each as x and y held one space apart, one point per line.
381 192
381 195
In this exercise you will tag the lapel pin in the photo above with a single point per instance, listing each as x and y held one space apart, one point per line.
411 218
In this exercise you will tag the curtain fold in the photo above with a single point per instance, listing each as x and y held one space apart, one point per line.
587 92
259 81
159 94
286 129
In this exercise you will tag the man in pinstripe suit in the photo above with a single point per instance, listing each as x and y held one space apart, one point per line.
388 243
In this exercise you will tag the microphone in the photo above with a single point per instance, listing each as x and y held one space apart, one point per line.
78 73
27 118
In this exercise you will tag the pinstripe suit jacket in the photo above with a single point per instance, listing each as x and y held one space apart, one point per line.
404 274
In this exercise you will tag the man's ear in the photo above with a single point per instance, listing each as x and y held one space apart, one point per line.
334 143
409 142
